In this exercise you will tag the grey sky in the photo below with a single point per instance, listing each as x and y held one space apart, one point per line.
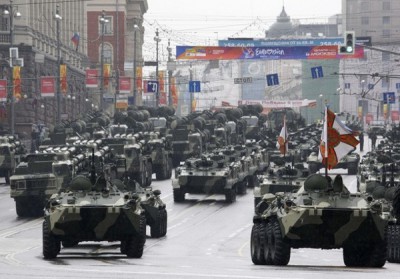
202 22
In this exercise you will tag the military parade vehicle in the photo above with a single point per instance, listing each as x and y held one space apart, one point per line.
11 151
39 176
321 214
349 162
280 178
210 174
94 208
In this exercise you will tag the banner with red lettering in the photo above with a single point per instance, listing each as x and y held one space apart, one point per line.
174 93
91 78
3 90
124 85
47 86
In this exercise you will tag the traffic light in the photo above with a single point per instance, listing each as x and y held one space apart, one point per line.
349 46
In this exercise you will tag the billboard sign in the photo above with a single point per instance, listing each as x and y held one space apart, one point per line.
47 86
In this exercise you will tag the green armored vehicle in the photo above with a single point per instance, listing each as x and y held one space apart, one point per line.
210 174
94 209
11 151
321 214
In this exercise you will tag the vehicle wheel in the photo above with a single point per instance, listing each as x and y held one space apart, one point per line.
256 245
268 240
157 229
123 247
51 246
149 173
135 245
352 169
280 250
7 177
355 254
170 166
160 171
393 243
69 243
230 195
242 187
21 208
378 254
164 222
396 203
179 195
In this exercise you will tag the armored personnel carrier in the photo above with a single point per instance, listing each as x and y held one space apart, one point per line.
284 178
210 174
94 208
321 214
349 162
11 151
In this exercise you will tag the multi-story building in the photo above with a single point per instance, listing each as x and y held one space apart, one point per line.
38 37
363 81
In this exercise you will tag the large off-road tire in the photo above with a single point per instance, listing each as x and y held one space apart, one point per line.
242 186
7 177
158 228
179 195
393 243
365 254
21 208
279 249
256 244
396 203
149 173
51 246
378 254
170 167
160 172
134 246
230 195
267 241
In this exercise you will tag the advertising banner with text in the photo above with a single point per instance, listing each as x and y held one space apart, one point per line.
91 78
47 86
124 85
263 53
280 104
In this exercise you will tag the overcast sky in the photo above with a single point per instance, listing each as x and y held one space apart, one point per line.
203 22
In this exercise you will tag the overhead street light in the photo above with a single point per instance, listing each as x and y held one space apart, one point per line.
157 40
58 18
135 28
103 22
12 14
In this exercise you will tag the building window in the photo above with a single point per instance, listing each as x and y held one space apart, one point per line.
386 6
385 33
108 26
107 53
365 20
386 20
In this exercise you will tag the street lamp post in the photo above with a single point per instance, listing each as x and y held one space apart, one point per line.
103 21
157 39
135 27
58 18
12 14
170 102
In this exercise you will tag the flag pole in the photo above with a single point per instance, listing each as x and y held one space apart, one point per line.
326 141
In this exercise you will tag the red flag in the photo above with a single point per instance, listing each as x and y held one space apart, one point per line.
282 143
339 139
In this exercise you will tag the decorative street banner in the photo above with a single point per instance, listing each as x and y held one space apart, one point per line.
3 90
63 78
124 85
106 74
280 104
266 53
174 93
395 115
17 83
91 78
47 86
121 102
161 90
